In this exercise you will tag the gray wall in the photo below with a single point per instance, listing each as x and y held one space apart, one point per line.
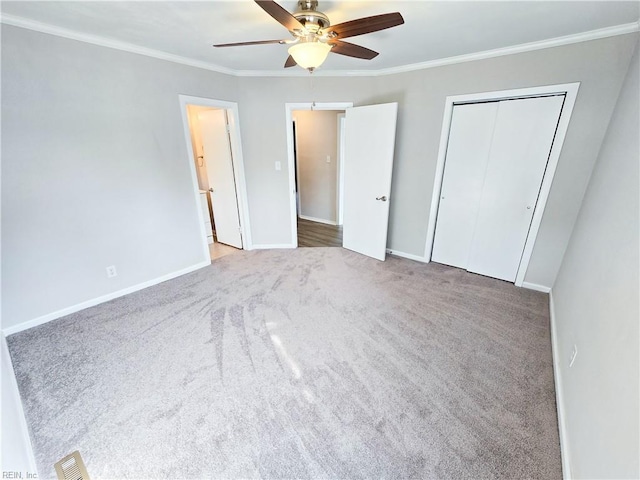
264 134
95 171
317 138
600 65
95 167
596 306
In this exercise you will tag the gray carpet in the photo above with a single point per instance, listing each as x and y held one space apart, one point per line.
312 363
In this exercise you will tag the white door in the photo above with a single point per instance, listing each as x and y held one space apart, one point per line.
467 156
222 187
496 158
370 134
522 140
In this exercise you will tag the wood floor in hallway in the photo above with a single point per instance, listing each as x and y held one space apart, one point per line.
217 250
315 234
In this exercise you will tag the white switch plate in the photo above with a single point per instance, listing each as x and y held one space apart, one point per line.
328 158
278 166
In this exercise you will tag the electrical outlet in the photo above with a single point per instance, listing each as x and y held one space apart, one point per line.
111 271
574 354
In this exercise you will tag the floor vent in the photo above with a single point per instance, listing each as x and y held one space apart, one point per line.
71 467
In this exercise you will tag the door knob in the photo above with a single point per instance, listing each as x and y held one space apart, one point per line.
382 198
211 190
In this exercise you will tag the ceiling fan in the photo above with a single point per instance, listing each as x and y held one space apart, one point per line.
314 36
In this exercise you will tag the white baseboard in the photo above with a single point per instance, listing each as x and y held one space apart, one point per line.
96 301
536 287
17 452
409 256
317 220
273 246
562 428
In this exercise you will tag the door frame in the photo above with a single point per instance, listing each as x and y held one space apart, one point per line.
340 187
289 109
570 90
233 119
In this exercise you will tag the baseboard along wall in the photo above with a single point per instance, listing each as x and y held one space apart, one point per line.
274 246
536 287
317 220
562 428
96 301
408 256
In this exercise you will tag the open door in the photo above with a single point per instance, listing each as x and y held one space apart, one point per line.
370 134
217 155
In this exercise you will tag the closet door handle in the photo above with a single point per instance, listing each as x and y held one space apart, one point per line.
382 198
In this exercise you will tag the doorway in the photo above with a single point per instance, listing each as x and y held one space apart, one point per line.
305 216
317 147
369 141
212 134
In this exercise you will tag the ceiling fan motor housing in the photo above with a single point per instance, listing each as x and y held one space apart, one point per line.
311 18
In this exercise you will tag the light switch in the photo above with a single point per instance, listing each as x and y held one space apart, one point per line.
328 158
278 166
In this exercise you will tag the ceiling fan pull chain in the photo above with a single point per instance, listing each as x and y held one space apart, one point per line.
313 102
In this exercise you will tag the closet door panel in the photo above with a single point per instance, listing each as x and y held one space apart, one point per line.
522 140
467 155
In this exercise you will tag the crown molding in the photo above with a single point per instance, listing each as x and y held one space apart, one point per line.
109 43
498 52
522 48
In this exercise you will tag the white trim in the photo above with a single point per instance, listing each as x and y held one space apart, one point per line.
274 246
557 377
289 109
409 256
536 287
570 90
294 126
23 429
561 132
317 220
102 299
298 72
109 43
341 129
437 181
499 52
237 158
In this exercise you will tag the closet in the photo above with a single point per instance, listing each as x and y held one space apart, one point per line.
496 157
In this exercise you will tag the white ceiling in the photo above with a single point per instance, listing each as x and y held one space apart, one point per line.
433 31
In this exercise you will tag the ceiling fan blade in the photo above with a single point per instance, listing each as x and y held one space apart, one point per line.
280 14
290 62
366 25
351 50
260 42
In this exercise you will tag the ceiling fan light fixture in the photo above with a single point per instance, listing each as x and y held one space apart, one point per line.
310 55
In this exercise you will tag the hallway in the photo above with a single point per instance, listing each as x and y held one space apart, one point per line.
314 234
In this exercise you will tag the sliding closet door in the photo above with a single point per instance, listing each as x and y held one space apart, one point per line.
522 140
496 158
467 155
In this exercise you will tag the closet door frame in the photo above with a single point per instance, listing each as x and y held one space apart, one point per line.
570 90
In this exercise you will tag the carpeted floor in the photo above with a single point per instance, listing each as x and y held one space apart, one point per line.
311 363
